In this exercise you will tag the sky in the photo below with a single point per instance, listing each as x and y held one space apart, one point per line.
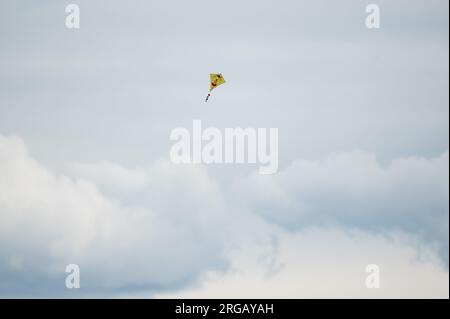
85 170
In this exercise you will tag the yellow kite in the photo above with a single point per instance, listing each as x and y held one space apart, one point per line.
215 81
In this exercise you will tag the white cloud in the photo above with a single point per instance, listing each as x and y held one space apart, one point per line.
327 82
165 228
112 175
354 189
326 263
48 221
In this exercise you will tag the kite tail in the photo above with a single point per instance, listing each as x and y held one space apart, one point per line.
207 97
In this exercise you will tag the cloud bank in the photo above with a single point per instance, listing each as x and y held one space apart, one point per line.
325 263
48 221
170 229
354 189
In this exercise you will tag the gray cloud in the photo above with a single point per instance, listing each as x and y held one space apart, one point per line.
48 221
164 227
335 258
132 73
354 189
105 98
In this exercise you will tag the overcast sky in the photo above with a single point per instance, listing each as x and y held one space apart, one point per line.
86 178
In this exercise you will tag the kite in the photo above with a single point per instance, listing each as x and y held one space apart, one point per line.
215 81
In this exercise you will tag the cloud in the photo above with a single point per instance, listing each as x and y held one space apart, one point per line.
48 221
326 263
107 91
111 175
354 189
171 230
